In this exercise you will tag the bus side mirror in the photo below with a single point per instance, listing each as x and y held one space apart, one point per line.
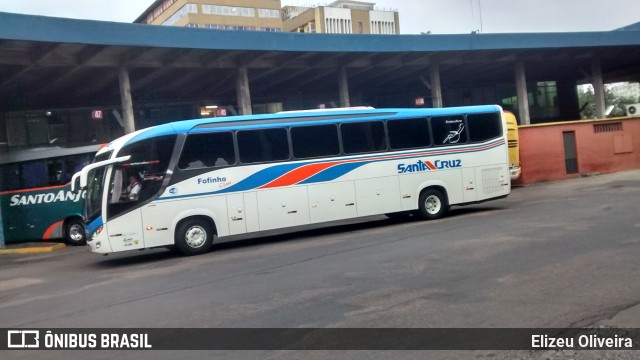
75 180
84 173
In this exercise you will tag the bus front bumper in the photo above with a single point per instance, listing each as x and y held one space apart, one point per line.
98 242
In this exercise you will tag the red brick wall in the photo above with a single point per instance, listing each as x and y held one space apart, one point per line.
542 149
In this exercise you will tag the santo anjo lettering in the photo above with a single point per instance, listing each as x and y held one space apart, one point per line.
420 166
19 200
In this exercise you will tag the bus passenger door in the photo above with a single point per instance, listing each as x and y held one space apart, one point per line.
236 214
125 232
469 185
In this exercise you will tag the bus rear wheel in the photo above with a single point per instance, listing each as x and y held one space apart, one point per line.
194 237
433 204
74 233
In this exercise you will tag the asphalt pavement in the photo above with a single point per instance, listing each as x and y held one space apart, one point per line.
561 254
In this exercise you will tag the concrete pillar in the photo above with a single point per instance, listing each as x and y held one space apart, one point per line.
127 102
523 94
598 87
243 92
436 90
343 82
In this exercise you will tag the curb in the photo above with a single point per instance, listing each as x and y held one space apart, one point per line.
33 250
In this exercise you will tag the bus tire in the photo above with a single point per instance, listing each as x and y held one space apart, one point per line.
74 232
194 236
432 204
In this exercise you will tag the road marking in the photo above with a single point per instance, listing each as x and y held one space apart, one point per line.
18 283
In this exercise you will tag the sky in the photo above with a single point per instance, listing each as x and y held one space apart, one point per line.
416 16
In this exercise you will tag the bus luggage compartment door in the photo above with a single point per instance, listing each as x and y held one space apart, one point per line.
332 201
469 184
236 214
280 208
378 196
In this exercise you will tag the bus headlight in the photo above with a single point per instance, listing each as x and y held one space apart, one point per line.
96 233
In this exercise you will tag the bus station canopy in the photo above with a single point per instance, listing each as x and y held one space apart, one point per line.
55 62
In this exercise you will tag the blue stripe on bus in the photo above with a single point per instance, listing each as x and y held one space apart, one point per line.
268 175
257 179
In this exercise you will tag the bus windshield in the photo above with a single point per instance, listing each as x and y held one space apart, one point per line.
95 185
140 178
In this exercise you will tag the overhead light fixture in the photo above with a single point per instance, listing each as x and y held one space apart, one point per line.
211 106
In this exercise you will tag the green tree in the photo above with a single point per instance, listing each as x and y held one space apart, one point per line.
586 100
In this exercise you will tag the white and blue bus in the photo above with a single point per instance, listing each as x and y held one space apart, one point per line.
199 180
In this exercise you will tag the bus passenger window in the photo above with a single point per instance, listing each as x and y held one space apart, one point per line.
207 150
483 127
448 130
315 141
408 133
263 145
363 137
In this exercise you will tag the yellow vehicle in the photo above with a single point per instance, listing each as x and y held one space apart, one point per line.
514 145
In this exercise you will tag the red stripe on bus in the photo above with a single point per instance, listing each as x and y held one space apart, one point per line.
299 174
33 189
47 234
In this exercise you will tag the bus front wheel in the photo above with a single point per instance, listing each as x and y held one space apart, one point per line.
74 233
194 237
433 204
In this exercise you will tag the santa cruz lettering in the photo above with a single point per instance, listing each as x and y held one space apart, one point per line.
420 166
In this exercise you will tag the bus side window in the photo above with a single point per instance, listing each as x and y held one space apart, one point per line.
34 174
408 133
483 127
263 145
10 175
315 141
362 137
207 150
448 130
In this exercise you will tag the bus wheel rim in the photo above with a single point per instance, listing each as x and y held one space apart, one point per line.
196 236
433 204
76 232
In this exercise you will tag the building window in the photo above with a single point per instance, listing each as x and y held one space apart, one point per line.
360 27
269 13
184 11
228 10
159 10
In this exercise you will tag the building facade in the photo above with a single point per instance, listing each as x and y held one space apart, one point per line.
341 17
256 15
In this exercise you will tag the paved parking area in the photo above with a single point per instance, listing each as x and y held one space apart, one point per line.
562 254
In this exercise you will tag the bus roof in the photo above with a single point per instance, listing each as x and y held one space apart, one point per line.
45 153
299 117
